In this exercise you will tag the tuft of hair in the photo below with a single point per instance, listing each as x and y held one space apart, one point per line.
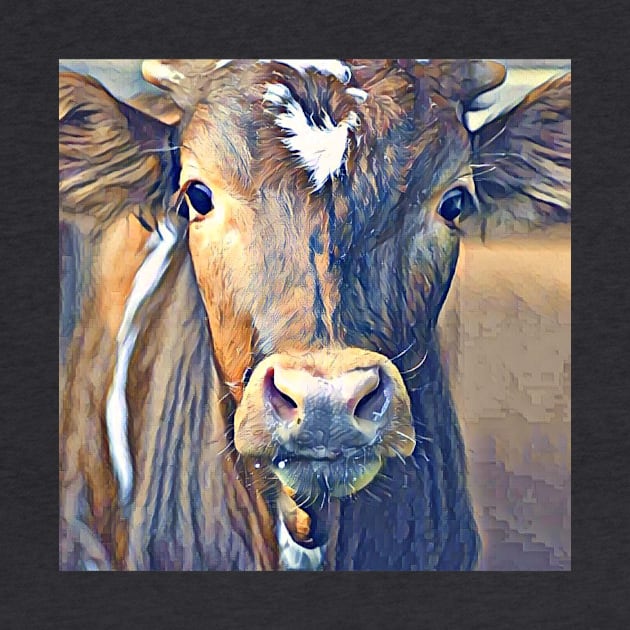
320 148
327 67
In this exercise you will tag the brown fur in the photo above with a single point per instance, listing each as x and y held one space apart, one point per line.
93 134
365 265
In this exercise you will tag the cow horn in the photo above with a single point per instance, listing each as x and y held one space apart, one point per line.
182 78
162 73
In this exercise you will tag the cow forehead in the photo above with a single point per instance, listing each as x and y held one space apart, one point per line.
303 130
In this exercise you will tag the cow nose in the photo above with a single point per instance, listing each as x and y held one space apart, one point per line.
289 391
324 414
324 405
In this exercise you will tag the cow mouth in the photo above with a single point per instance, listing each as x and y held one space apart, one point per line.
317 476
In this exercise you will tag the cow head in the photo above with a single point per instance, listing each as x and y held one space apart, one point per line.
325 205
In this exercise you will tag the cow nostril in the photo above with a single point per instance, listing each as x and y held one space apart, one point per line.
287 399
373 405
281 402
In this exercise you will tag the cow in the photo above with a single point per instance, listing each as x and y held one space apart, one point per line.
252 272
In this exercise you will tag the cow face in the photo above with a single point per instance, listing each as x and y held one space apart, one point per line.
324 206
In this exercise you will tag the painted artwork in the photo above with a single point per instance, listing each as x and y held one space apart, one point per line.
314 314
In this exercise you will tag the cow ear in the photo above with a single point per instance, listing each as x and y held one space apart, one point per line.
114 160
522 163
182 78
159 107
462 80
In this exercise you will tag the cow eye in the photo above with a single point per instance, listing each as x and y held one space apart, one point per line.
452 204
200 197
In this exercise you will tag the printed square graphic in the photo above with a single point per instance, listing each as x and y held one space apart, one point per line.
315 314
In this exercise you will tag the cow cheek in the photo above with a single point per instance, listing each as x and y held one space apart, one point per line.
445 257
432 260
216 259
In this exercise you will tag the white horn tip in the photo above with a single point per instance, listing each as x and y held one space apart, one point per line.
158 72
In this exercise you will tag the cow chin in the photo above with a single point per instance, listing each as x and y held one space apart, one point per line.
325 422
310 479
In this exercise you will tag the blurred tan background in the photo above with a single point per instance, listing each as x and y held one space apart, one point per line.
506 330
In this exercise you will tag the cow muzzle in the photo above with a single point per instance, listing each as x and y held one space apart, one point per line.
325 421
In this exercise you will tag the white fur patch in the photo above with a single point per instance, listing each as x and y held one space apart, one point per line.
332 67
320 149
360 96
294 557
145 282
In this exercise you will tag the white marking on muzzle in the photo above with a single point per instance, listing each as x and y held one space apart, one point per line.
321 149
145 282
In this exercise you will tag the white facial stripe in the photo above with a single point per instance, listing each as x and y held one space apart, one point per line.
145 282
295 557
321 150
116 417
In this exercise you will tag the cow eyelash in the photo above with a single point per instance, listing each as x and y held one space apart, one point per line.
178 203
143 222
182 206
